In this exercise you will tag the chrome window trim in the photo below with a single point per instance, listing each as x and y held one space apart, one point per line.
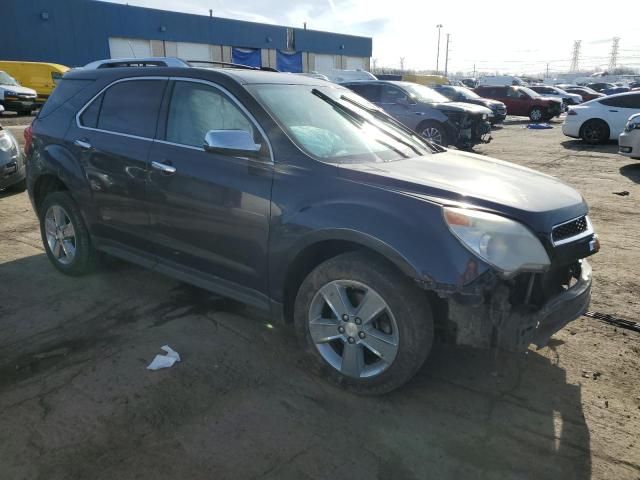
86 105
589 231
234 100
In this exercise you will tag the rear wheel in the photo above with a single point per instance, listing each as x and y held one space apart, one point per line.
434 132
594 132
65 237
367 327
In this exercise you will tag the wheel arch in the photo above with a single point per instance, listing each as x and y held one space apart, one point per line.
45 184
596 119
328 245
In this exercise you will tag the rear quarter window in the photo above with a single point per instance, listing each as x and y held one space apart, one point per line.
67 89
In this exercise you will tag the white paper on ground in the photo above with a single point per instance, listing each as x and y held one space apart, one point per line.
164 361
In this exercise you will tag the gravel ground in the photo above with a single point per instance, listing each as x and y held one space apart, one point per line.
76 401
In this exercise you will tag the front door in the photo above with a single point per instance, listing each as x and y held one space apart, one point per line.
112 139
209 212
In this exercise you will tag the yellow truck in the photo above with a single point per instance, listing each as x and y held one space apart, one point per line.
41 77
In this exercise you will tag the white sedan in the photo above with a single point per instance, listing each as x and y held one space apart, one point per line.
601 119
629 141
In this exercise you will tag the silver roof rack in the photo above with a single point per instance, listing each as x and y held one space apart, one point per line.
137 62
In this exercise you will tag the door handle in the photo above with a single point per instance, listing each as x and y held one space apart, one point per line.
164 168
614 111
83 144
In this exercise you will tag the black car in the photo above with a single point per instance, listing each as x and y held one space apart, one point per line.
12 169
600 86
300 198
464 95
428 113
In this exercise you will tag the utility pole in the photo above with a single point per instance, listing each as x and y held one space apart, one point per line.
402 64
439 27
575 57
547 75
613 59
474 70
446 58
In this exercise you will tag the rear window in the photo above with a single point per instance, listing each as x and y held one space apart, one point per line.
65 91
129 107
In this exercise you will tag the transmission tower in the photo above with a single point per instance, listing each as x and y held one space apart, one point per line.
575 57
613 59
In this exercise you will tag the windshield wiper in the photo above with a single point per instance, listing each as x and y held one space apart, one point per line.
389 119
360 118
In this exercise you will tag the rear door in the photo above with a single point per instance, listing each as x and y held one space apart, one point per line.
210 213
112 137
618 111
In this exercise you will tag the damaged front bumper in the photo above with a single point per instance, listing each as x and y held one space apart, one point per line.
471 130
499 323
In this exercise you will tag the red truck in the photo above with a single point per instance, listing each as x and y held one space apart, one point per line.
523 101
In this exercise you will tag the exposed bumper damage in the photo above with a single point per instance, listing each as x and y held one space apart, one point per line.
511 315
471 129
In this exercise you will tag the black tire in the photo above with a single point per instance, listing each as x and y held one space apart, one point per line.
537 114
432 127
409 306
25 112
594 132
19 187
85 257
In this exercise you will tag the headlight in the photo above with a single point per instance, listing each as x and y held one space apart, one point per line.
7 143
484 116
503 243
632 125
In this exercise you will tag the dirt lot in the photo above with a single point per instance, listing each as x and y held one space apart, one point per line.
77 402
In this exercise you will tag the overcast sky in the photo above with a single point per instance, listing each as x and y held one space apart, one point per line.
515 37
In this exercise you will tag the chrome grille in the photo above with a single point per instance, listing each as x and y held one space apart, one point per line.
569 229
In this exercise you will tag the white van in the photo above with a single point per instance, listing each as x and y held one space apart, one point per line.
502 81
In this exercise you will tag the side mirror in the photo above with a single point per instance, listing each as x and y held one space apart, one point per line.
231 142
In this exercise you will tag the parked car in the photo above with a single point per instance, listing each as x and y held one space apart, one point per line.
14 97
428 113
600 86
601 120
12 168
524 102
501 81
634 85
348 75
465 95
39 76
615 89
304 200
585 92
629 139
566 97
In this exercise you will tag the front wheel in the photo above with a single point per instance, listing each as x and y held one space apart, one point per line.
366 326
536 114
65 237
434 132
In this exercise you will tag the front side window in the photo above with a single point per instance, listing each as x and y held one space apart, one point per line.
392 94
130 107
325 123
424 94
196 108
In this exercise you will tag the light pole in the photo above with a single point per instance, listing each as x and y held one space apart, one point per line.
439 26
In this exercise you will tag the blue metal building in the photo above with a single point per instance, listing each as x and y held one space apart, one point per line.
75 32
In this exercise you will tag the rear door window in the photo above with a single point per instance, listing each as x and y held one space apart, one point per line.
367 90
624 101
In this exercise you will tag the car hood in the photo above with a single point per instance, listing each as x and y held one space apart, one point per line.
18 89
551 99
461 107
486 102
453 177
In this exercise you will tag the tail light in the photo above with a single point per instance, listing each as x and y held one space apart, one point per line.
28 139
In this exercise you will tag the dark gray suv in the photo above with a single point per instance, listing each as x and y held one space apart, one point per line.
429 113
302 199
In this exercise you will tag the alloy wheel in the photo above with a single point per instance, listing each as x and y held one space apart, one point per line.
61 236
353 328
432 134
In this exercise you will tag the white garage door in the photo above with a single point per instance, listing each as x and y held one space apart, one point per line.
194 51
324 63
355 63
129 47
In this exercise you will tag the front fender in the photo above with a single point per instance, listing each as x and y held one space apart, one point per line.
407 230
